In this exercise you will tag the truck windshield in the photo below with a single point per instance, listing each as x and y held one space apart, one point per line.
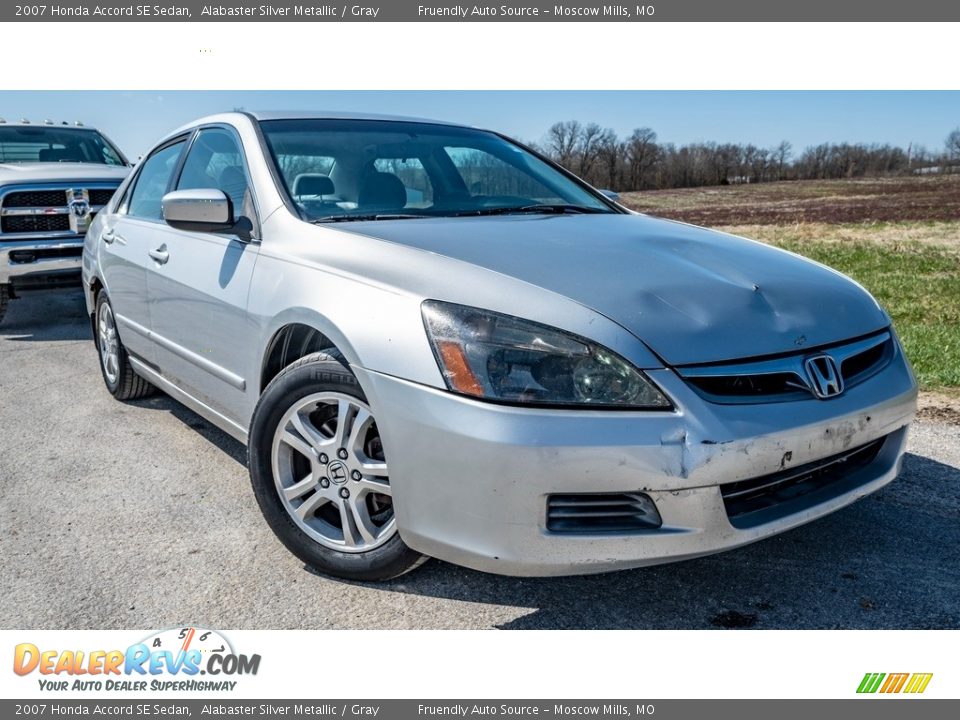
338 170
32 143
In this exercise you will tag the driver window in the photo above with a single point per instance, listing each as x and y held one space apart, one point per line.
151 184
215 161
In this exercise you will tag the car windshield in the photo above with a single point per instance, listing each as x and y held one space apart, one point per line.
339 170
37 143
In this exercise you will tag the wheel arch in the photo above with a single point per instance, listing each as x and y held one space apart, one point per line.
296 335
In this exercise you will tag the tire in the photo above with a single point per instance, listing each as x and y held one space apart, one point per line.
325 492
118 375
4 300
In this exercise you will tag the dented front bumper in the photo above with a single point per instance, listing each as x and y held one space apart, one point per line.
471 480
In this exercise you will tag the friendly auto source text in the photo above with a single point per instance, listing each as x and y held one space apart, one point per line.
514 11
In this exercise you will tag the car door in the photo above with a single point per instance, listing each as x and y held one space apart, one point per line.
128 234
198 288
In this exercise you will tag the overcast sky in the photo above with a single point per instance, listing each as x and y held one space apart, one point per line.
134 120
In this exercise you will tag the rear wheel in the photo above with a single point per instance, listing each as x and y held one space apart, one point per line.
320 474
118 375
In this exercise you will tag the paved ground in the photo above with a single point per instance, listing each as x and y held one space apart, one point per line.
141 515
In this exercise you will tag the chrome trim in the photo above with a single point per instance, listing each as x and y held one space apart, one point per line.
795 365
216 370
13 212
39 266
791 363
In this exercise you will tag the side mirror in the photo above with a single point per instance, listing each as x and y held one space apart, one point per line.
203 210
610 195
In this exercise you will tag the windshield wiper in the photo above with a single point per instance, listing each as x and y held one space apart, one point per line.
367 217
540 209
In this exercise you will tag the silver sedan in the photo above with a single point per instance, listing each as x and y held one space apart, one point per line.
436 342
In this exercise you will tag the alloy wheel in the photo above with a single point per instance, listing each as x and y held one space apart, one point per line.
331 474
108 343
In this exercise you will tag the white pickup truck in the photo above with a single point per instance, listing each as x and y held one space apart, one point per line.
53 181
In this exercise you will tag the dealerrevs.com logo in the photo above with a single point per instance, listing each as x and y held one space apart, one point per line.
892 683
172 659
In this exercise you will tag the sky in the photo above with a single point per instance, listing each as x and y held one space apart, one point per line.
136 119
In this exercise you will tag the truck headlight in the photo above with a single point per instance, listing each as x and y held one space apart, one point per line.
502 358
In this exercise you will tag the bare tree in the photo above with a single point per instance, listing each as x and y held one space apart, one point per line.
641 152
953 143
563 139
782 154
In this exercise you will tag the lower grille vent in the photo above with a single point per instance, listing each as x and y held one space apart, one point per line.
748 496
601 512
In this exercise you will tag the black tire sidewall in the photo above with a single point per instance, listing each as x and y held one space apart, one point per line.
112 388
321 372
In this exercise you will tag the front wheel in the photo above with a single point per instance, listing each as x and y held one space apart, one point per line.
320 474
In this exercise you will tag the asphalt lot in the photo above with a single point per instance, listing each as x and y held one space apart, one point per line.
141 515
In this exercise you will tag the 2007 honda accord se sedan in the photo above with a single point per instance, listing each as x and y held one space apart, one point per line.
436 342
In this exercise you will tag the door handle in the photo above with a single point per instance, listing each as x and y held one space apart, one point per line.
160 254
111 236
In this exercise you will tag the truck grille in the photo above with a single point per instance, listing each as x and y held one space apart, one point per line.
34 223
35 198
784 378
748 496
47 210
601 512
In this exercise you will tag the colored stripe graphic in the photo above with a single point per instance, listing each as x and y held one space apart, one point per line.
894 683
918 682
870 682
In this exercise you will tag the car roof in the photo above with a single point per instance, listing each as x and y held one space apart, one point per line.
338 115
244 116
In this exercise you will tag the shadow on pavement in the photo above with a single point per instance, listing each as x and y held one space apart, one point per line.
27 318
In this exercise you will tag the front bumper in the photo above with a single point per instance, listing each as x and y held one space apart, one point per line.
471 479
27 264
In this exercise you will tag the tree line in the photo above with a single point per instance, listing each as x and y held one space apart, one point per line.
641 162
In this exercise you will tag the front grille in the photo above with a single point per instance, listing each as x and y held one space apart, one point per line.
47 210
34 223
100 197
35 198
749 496
601 512
784 378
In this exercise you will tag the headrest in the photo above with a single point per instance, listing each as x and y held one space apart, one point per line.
312 184
382 190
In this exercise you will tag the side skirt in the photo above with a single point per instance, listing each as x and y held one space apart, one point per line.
199 407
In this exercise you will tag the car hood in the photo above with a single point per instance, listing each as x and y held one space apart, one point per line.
692 295
60 172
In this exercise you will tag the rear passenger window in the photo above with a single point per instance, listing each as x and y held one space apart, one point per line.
152 182
215 161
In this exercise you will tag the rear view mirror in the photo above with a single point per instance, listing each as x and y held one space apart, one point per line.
202 210
610 195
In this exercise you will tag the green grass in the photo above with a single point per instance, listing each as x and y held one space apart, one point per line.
918 284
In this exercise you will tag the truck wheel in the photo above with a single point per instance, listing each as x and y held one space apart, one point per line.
4 300
320 474
118 375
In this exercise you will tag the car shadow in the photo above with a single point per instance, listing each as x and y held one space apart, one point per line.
888 561
28 318
230 446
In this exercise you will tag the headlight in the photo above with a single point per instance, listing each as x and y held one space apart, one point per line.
506 359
